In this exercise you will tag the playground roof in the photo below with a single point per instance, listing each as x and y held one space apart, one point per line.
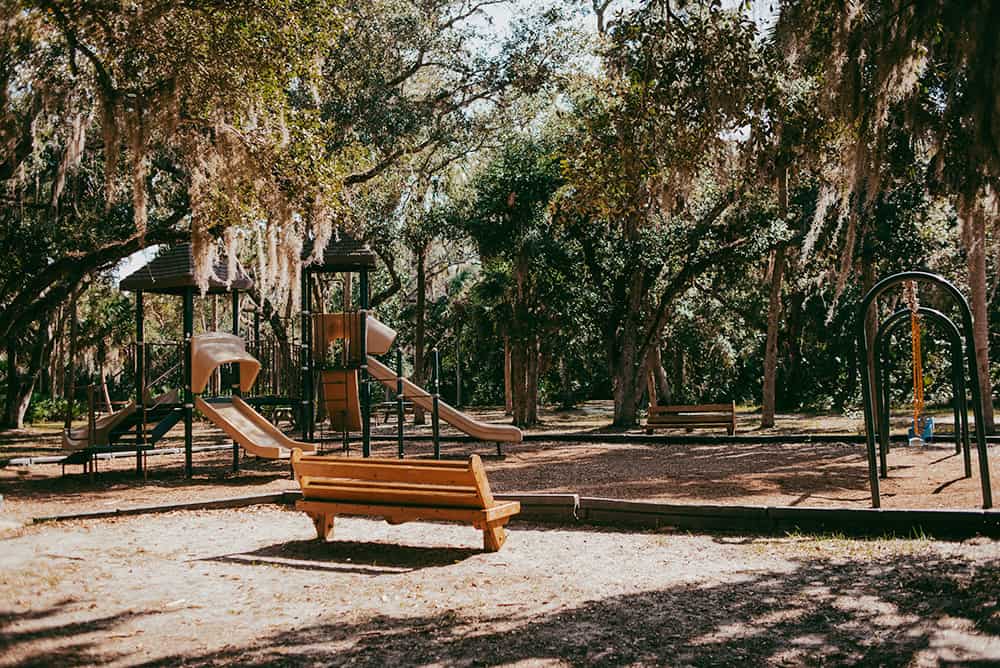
172 271
343 254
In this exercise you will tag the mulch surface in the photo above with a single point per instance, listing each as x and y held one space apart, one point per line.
252 586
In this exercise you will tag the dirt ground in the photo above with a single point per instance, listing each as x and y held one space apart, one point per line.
253 587
787 474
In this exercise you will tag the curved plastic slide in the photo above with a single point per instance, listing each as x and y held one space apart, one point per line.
79 438
211 350
250 429
484 431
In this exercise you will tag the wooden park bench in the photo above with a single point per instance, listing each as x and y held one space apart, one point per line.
700 415
401 491
388 408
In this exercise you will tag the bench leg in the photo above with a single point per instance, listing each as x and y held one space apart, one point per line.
494 536
324 525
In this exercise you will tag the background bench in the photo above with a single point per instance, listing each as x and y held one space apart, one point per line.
401 491
698 415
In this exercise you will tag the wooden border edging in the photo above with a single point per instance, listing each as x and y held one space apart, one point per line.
232 502
770 519
941 440
576 510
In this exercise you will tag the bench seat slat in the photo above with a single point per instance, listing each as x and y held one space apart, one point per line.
389 495
478 517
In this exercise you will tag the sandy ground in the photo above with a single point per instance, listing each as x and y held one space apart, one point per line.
788 474
253 587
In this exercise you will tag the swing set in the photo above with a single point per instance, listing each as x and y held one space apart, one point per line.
873 350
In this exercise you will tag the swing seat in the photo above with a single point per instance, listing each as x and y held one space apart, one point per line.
926 434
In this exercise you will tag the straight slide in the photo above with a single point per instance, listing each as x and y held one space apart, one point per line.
78 438
484 431
250 429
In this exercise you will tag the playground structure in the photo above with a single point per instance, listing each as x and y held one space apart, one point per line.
338 350
333 387
873 350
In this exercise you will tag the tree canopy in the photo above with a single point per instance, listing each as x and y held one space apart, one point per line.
571 199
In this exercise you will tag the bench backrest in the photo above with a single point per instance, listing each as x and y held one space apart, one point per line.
694 409
408 482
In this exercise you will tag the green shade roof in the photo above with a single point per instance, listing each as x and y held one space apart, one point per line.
343 254
172 272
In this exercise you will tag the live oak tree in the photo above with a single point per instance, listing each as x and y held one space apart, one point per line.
198 118
505 210
924 73
652 158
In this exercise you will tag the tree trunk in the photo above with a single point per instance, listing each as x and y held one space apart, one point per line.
794 338
871 323
517 373
975 242
10 418
625 377
771 347
102 360
774 315
531 382
420 325
20 387
508 399
71 365
458 372
662 382
680 375
566 399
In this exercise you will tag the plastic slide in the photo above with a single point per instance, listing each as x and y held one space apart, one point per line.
484 431
79 438
211 350
250 429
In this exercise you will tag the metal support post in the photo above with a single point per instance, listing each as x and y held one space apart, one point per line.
188 393
399 403
140 380
305 405
236 373
435 424
366 427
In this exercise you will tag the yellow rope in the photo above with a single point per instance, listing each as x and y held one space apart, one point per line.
918 369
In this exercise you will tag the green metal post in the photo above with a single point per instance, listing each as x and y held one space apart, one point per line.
435 398
140 380
188 393
236 373
399 403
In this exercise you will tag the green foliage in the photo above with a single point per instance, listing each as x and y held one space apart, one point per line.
46 409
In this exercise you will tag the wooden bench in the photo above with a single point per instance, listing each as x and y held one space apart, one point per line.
401 491
700 415
388 408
